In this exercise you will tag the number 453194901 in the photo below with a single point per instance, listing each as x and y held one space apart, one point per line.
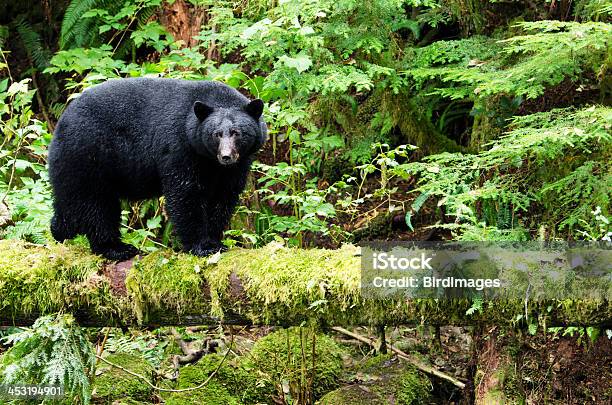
30 391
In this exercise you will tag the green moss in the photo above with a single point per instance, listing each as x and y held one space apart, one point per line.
48 279
372 363
114 383
350 395
270 285
282 283
167 281
414 388
287 355
212 393
236 377
497 376
416 129
230 385
494 397
387 380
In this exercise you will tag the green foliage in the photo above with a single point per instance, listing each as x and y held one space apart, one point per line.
548 53
75 29
86 20
595 10
341 76
32 43
600 230
54 351
144 345
280 186
23 178
309 363
382 379
414 388
553 163
383 164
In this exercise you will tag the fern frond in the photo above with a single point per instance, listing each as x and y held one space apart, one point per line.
77 30
54 351
38 54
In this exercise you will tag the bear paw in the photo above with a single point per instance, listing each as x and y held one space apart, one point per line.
207 249
119 252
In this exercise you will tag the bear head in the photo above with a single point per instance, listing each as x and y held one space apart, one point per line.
228 134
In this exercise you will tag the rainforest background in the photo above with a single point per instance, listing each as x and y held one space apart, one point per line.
466 120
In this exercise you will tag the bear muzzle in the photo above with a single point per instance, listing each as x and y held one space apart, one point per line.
227 154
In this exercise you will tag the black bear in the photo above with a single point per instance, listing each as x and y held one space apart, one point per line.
191 141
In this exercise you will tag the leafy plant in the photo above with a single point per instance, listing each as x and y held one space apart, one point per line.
23 178
308 209
54 351
510 171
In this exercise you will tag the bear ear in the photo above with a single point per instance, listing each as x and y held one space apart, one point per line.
201 110
255 108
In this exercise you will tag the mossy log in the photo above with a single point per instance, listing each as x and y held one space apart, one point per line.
271 285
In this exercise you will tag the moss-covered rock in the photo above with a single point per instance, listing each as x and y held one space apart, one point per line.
212 393
287 356
384 380
115 384
232 383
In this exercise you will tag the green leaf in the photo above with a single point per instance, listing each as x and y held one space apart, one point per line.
103 28
419 201
593 333
154 223
3 84
301 62
19 87
408 220
533 328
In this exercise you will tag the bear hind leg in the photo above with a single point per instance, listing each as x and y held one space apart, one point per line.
101 226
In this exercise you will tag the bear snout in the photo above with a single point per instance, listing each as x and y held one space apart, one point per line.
227 154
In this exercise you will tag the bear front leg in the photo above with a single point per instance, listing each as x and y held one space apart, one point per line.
186 207
220 212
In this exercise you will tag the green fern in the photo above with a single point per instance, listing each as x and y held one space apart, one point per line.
4 34
79 31
552 164
32 43
594 10
55 351
31 231
144 345
544 56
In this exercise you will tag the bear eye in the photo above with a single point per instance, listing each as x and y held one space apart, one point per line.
218 134
234 132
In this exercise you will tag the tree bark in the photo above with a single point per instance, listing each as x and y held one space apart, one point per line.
272 285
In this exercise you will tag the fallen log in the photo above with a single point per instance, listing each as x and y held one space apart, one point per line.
273 285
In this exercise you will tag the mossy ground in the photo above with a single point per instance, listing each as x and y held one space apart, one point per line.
47 279
286 357
112 384
384 380
232 384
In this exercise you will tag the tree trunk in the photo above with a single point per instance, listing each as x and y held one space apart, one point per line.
273 285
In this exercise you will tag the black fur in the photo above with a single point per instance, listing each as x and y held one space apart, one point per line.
134 139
